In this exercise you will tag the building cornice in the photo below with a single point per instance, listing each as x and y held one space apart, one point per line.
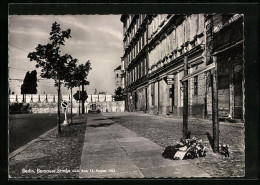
172 22
137 35
175 61
138 83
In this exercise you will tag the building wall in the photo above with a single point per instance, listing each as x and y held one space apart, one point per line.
118 78
168 50
164 46
165 40
228 52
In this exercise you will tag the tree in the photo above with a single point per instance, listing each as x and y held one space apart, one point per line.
81 74
52 63
70 81
83 96
29 85
80 95
119 94
24 85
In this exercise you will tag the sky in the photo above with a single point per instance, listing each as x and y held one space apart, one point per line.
98 38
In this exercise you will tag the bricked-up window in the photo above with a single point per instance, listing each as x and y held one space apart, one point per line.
136 73
140 46
147 64
195 85
143 67
152 94
143 39
140 69
132 76
223 81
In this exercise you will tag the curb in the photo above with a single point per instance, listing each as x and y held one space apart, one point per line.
19 150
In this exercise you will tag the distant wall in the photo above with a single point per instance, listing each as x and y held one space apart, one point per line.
41 104
43 98
112 106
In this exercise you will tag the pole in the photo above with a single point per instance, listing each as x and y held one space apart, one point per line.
65 115
185 101
214 85
83 107
159 97
79 99
71 105
58 119
65 123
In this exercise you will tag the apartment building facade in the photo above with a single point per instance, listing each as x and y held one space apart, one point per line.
154 50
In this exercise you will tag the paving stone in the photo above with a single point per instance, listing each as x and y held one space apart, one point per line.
117 152
101 149
157 161
167 130
144 147
178 171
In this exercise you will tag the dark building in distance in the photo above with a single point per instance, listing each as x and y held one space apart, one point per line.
152 64
119 80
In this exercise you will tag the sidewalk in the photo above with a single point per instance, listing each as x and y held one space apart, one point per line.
113 151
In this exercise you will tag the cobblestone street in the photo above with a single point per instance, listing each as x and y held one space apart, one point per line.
165 131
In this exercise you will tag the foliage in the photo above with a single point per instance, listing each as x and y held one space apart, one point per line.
29 85
83 96
48 56
19 108
119 94
53 65
69 76
81 73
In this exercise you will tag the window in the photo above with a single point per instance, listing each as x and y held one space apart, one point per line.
181 93
143 36
137 72
195 85
144 66
152 93
141 69
117 75
140 47
223 82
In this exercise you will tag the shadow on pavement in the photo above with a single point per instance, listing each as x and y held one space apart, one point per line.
78 123
100 119
210 139
113 118
101 125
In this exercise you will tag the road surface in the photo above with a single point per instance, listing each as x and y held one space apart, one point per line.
23 128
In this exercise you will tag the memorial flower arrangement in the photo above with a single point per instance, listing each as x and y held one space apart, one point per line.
223 149
185 149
